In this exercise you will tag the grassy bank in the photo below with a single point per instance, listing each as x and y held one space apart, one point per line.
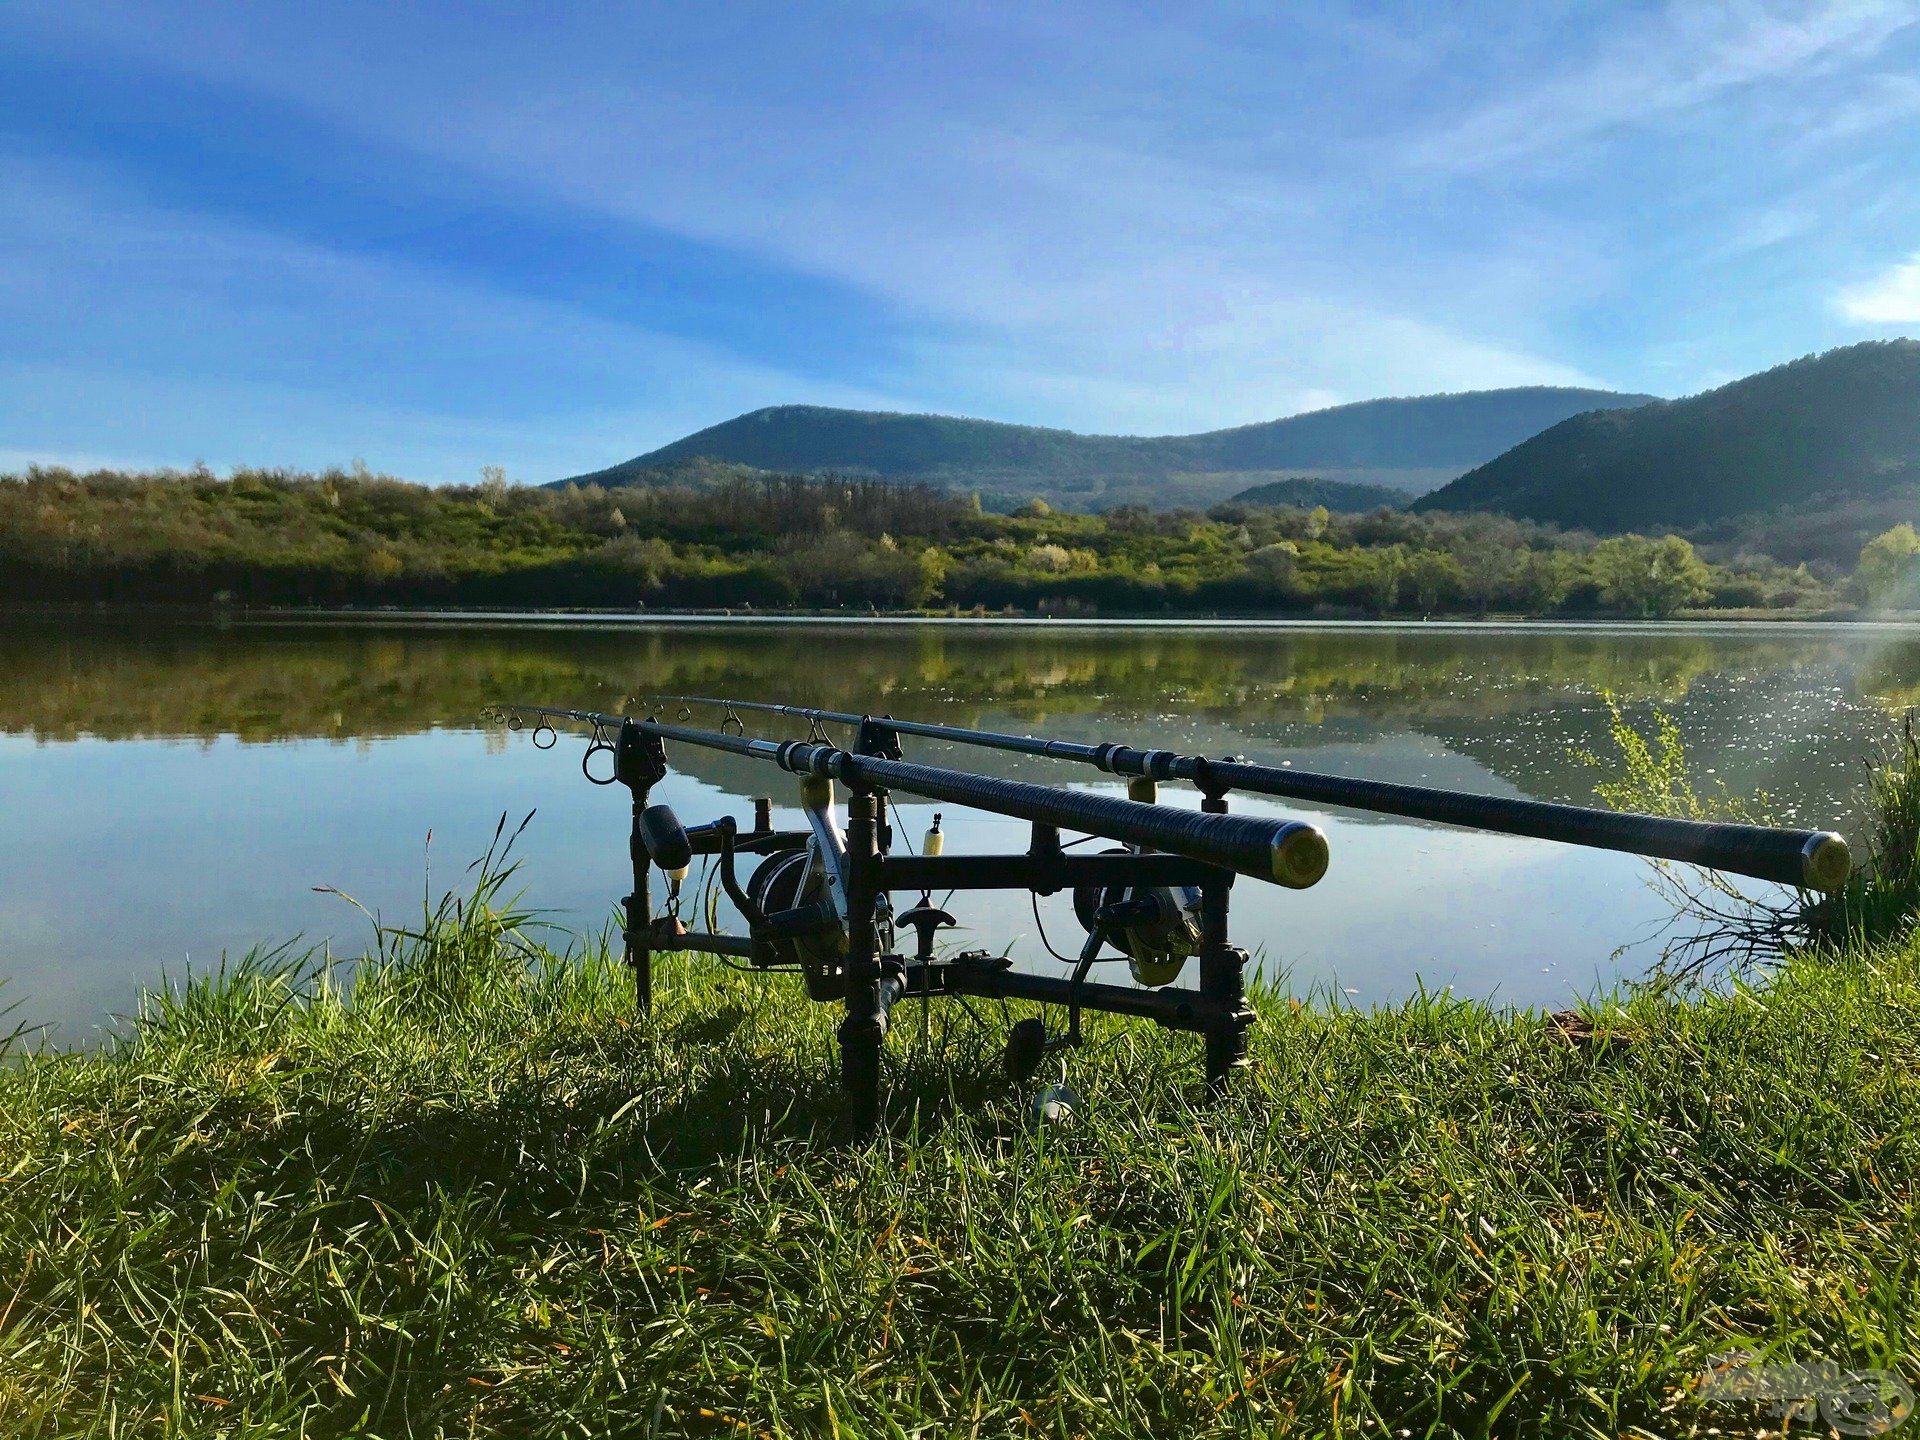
471 1196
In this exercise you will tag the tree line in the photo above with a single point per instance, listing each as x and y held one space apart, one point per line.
350 537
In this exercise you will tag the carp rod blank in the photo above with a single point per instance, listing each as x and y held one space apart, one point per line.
1287 852
1810 859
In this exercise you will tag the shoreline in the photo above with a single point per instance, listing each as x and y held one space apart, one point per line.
581 618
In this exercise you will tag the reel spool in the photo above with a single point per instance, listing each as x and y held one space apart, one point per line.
1157 929
790 882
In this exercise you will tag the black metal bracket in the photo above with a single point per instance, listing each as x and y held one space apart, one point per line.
639 757
878 739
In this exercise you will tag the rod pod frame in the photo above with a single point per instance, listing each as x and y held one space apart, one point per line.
860 872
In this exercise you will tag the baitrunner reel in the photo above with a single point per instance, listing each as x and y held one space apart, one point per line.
798 926
1157 927
794 902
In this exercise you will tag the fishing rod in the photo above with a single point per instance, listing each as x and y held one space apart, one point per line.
819 902
1808 859
1286 852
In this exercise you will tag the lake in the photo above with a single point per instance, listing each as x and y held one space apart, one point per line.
170 793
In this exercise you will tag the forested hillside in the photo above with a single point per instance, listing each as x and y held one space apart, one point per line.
274 538
1409 444
1811 458
1342 496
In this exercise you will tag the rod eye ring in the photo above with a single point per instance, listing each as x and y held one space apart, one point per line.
599 746
514 722
544 728
730 718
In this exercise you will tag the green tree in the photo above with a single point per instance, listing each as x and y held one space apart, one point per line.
932 563
1433 575
1383 583
1277 568
1541 580
1649 577
1486 566
1888 575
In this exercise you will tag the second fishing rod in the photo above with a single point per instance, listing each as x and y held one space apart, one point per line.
1808 859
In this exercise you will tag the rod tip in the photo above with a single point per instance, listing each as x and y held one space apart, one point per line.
1825 862
1299 856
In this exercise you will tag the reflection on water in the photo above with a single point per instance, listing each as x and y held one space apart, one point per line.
171 792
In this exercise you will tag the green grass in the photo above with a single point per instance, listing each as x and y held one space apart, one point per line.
469 1195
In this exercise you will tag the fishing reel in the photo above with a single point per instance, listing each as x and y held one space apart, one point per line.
794 923
1156 927
794 902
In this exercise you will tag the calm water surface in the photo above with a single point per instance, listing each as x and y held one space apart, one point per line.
168 794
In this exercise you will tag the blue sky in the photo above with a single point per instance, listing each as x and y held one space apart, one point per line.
549 237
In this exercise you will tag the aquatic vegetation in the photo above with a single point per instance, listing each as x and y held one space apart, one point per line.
1722 922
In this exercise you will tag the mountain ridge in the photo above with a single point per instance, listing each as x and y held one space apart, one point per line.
1832 433
1410 443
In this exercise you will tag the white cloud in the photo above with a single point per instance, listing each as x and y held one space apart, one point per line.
1891 298
1096 287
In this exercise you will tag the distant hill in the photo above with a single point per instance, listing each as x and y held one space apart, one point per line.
1340 496
1411 445
1811 455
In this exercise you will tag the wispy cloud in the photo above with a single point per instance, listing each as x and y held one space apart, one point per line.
1649 71
1873 103
170 338
1081 214
1133 234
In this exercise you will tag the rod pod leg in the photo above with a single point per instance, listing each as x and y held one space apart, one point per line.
865 1025
1222 977
639 908
1222 980
639 763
